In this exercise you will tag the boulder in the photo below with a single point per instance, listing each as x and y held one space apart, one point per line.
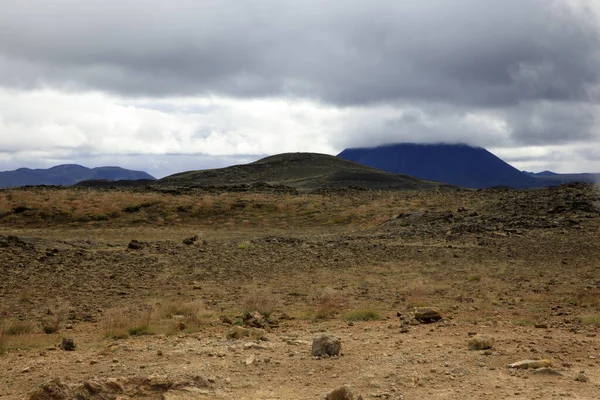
135 245
481 342
427 314
67 344
52 390
582 377
326 345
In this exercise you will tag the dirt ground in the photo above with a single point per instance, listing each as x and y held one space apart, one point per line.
151 319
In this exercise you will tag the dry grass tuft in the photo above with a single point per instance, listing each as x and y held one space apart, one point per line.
51 323
15 328
416 296
591 320
182 315
261 301
330 302
243 245
116 323
119 323
28 341
587 299
167 317
172 308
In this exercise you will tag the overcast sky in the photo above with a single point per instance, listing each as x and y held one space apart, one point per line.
166 86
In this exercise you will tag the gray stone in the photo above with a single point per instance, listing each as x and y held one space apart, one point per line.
481 342
326 344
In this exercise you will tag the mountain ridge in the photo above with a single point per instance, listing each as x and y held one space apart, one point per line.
66 175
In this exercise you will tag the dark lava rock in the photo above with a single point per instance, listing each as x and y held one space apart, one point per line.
67 344
191 240
135 245
427 314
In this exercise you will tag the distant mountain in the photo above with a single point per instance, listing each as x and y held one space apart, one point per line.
456 164
299 170
560 179
67 174
545 173
567 178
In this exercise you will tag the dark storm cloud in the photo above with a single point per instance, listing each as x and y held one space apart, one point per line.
470 52
491 73
590 154
553 123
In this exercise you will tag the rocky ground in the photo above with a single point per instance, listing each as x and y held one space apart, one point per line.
195 310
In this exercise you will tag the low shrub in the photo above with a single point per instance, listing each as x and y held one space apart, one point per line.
361 315
18 328
140 330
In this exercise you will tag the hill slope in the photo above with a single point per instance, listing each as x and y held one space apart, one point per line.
67 174
456 164
300 170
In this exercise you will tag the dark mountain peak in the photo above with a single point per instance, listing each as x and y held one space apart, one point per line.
457 164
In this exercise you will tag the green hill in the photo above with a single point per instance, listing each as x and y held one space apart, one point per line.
302 171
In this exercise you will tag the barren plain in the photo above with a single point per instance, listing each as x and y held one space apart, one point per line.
218 294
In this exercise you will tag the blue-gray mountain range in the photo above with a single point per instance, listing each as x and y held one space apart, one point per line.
67 174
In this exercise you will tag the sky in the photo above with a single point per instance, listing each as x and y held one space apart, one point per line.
187 84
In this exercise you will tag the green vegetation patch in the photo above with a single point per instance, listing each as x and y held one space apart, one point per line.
361 315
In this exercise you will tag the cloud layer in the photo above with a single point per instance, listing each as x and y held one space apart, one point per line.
82 79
